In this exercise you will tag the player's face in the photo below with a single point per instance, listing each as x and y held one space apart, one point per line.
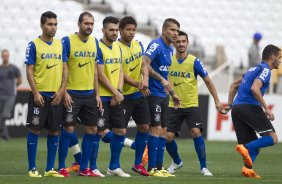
5 57
111 32
171 32
181 44
277 60
128 32
49 28
86 26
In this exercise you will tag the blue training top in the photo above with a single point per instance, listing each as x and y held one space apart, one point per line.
245 95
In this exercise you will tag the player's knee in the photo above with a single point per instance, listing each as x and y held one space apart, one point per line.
52 132
34 131
195 132
143 127
170 137
119 131
91 129
155 130
69 129
275 138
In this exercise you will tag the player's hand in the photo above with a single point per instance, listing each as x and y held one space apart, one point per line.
167 85
176 101
219 107
113 102
67 101
146 92
118 97
57 97
269 114
38 99
99 102
225 110
143 85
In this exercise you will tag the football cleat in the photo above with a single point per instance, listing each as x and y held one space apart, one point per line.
206 172
250 173
34 173
53 173
240 148
117 172
73 168
140 169
173 166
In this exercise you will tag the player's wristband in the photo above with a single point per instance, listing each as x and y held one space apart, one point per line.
171 92
120 90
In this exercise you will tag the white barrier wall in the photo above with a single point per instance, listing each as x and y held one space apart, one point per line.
220 126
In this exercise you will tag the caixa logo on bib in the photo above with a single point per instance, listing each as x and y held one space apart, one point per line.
20 113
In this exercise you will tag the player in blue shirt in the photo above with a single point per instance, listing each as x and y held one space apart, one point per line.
250 113
158 56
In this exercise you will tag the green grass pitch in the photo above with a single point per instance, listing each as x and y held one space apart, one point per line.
222 160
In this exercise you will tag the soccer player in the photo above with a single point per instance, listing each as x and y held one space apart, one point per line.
82 98
183 74
250 112
47 76
111 84
158 56
136 76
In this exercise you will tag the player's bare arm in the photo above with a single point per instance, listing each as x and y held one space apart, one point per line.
156 75
57 97
105 81
257 84
213 92
96 87
38 99
232 92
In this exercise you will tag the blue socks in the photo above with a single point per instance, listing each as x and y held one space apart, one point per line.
94 155
139 145
201 151
75 148
153 142
52 145
262 142
160 153
31 142
64 143
255 145
107 137
87 148
171 148
116 145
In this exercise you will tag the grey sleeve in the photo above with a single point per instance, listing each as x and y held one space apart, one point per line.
17 72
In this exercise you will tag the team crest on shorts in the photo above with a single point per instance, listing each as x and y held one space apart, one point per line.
101 122
157 117
35 120
69 118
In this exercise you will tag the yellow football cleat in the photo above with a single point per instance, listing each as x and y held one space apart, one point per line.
34 174
166 173
53 173
156 173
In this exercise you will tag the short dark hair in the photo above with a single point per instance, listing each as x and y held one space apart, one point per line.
82 15
268 51
182 33
109 20
169 21
127 20
4 50
46 15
